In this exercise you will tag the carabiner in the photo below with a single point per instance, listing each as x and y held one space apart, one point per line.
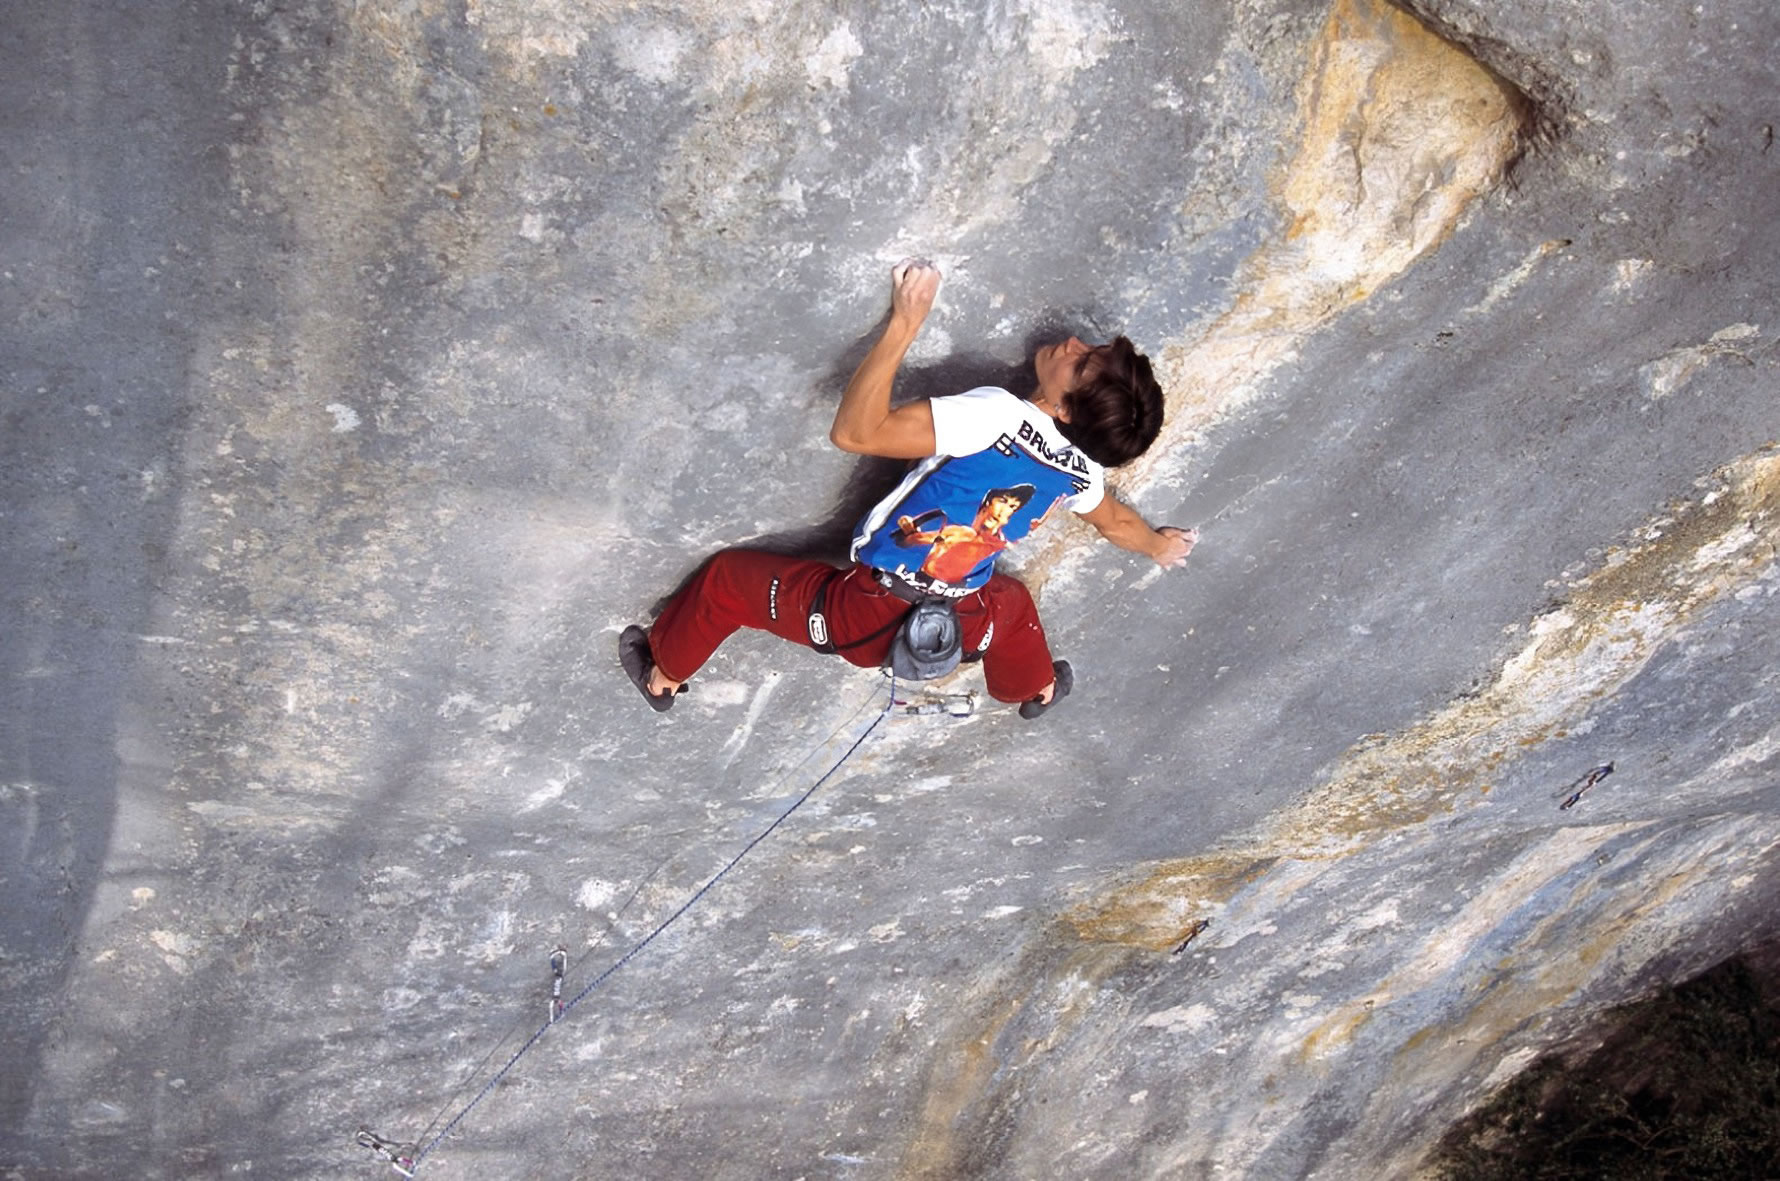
401 1157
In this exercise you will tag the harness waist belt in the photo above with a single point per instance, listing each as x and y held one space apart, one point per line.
901 589
821 639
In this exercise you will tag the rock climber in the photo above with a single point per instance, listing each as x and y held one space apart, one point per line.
985 456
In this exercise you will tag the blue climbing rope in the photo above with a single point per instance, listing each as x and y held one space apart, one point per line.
406 1163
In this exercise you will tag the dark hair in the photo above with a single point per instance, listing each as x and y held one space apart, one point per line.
1116 413
1019 492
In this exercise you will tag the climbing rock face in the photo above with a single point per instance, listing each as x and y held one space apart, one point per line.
370 367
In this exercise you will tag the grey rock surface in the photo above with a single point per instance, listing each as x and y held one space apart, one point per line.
367 368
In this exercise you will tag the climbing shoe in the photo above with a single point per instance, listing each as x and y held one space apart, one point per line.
638 661
1065 678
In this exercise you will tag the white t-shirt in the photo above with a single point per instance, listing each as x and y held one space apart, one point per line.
1000 466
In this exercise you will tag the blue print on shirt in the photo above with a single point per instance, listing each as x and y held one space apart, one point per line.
943 528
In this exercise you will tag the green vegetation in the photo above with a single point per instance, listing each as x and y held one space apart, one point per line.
1685 1085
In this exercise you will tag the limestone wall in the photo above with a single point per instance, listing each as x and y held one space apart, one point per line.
370 365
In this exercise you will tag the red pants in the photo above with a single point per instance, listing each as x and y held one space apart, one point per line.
746 588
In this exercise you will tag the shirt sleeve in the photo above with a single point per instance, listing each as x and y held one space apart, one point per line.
1089 498
964 424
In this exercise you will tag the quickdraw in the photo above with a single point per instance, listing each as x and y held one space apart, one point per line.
1193 932
1583 783
402 1157
957 705
405 1157
559 964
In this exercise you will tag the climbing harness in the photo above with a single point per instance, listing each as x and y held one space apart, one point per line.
929 639
406 1157
1582 784
816 624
